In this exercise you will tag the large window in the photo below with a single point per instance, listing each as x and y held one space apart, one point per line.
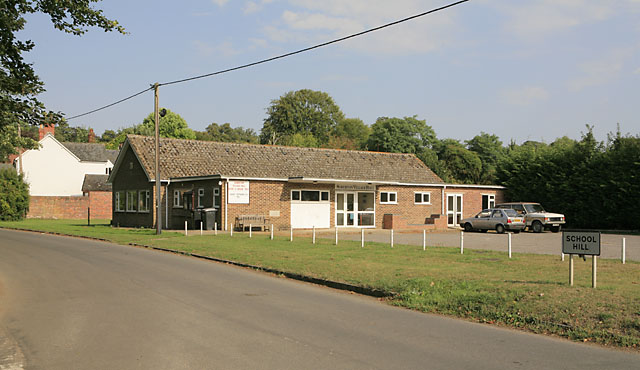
132 200
309 196
388 197
120 201
422 198
200 198
143 199
177 199
488 201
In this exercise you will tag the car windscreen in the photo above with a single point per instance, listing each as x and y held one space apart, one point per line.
511 213
532 208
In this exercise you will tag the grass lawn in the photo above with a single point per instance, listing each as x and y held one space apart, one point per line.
528 291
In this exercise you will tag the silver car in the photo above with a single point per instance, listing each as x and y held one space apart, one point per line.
494 219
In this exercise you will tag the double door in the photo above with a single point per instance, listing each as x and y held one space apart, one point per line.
355 209
454 209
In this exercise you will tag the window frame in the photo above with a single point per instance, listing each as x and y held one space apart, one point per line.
389 201
119 197
320 196
177 199
491 198
132 204
200 198
422 193
147 196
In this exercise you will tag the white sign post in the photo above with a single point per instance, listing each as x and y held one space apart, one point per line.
582 243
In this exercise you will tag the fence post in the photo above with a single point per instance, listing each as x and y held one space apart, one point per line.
250 229
291 238
424 240
231 228
215 228
624 250
336 235
461 242
509 245
314 234
185 228
391 238
200 228
271 231
362 238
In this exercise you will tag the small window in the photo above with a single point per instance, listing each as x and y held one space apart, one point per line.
422 198
388 197
488 201
310 196
200 198
143 199
324 196
132 200
120 201
295 195
216 191
177 199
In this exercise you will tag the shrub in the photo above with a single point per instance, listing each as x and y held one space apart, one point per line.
14 195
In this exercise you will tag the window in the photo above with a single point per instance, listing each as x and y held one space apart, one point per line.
120 201
143 199
177 199
132 200
488 201
200 198
388 197
309 196
422 198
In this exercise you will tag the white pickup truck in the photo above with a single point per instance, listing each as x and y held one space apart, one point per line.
535 217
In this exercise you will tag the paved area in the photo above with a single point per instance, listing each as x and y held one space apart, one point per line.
79 304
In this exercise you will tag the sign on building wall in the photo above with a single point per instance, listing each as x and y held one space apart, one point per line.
355 187
238 192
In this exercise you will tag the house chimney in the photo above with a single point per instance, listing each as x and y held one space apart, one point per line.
46 128
92 136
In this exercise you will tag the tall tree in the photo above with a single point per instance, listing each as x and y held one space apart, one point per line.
458 163
11 142
490 150
19 84
171 125
300 112
226 133
350 133
401 135
14 195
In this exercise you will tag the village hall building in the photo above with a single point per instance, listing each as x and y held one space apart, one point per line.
290 187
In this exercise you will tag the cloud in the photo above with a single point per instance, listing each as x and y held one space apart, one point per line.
309 21
225 49
603 70
255 6
220 2
525 96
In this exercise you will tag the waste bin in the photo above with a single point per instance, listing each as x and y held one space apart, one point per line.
208 218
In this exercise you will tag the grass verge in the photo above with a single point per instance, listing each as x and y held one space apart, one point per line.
528 291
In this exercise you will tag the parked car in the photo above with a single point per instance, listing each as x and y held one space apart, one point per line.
535 217
494 219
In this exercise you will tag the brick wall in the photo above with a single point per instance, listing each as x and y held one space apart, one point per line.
71 207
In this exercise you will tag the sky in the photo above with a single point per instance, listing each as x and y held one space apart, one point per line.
519 69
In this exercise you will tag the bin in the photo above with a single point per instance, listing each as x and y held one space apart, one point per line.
208 218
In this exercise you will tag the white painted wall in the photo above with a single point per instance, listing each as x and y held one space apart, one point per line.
309 214
53 170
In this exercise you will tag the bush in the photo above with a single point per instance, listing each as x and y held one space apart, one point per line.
14 195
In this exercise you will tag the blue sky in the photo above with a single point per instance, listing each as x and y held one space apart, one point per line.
524 70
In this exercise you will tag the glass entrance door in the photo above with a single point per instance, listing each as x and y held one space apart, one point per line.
346 209
454 209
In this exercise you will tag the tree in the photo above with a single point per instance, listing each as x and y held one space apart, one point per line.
171 125
10 141
401 135
300 112
226 133
19 84
490 150
14 195
350 133
458 163
66 133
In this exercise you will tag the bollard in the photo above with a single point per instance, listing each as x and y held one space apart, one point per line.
314 235
215 228
509 245
461 242
391 238
562 256
624 251
231 228
185 228
250 229
362 239
336 235
291 238
424 240
201 228
271 231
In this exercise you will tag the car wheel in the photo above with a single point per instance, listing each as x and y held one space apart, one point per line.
555 229
537 227
500 229
468 227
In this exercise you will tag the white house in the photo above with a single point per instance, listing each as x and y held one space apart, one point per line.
59 169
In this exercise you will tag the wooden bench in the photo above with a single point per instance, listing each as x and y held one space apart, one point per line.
243 222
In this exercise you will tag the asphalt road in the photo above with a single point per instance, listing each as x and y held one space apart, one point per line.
78 304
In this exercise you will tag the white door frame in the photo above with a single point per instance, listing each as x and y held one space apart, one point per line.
455 212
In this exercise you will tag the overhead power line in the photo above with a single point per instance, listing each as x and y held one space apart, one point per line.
277 57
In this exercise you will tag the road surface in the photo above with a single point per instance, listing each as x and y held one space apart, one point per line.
76 304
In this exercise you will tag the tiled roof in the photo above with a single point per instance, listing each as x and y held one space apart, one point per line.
95 183
192 158
92 152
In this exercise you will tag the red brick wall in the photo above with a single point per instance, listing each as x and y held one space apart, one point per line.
71 207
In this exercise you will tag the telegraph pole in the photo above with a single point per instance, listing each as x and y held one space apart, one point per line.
158 185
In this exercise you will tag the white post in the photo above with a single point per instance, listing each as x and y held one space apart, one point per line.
250 228
215 228
424 240
231 229
185 228
461 242
314 235
391 238
271 231
336 235
571 269
200 228
624 251
594 270
509 245
562 256
291 238
362 238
